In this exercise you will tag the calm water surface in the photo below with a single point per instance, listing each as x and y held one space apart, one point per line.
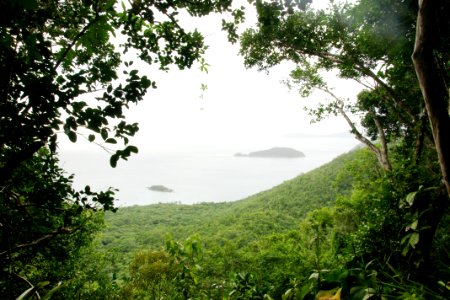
209 176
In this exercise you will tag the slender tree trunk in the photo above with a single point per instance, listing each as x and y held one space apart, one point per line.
381 154
432 83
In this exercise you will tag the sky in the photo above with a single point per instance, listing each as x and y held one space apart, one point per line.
242 110
241 107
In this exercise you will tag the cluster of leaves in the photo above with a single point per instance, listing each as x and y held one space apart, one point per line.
44 224
64 70
369 42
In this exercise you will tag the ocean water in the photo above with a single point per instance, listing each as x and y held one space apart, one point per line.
196 176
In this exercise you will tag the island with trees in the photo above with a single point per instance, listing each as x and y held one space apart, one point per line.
160 188
275 152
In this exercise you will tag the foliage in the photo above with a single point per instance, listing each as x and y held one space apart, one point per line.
66 68
224 227
369 42
45 223
360 227
151 273
353 243
244 287
392 215
91 276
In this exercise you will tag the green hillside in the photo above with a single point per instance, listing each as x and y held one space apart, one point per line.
284 239
236 224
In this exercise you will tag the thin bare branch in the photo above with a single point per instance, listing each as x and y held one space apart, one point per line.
61 230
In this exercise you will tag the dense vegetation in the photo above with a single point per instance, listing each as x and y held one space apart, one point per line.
372 225
235 223
319 231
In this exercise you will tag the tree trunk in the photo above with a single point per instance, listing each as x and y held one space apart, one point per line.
432 83
381 154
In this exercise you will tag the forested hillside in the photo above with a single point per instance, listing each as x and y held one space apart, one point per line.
236 223
318 231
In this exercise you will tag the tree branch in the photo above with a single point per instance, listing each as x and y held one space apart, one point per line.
338 60
382 155
61 230
75 40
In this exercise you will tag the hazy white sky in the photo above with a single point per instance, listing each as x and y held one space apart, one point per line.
241 111
240 106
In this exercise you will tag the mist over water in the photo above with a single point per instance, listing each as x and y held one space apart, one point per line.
201 173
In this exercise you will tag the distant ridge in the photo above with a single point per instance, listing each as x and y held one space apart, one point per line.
275 152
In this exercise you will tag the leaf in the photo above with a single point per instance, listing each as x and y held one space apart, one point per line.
447 286
405 250
414 224
91 138
28 293
113 160
72 136
414 239
52 291
111 141
361 292
411 197
104 133
133 149
406 237
314 275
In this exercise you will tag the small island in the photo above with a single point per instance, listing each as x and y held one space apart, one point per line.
276 152
160 188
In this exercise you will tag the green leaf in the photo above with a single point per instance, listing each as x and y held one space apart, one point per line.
411 197
52 291
28 294
414 224
443 284
91 138
111 141
132 149
72 136
314 275
104 133
404 239
405 250
414 239
113 160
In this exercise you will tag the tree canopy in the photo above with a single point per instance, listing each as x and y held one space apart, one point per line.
369 42
63 70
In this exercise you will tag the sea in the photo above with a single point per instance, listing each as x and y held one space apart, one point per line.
198 175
